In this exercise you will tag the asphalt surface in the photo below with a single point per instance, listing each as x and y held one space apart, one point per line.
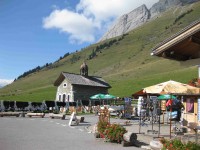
51 134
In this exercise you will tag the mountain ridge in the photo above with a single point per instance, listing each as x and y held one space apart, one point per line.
140 16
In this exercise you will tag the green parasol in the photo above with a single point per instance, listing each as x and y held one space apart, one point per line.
166 97
97 96
109 96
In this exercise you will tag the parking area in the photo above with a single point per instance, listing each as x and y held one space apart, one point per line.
49 134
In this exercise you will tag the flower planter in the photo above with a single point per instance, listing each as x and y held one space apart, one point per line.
102 135
111 132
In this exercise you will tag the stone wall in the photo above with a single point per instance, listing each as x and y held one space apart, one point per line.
78 92
85 92
67 90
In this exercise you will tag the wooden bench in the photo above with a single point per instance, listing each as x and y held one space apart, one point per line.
2 114
57 116
36 114
81 118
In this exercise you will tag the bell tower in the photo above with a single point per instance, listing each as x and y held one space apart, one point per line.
84 69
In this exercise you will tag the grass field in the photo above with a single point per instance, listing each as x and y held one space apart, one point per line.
127 64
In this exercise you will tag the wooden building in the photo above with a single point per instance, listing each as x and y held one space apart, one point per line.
183 46
75 87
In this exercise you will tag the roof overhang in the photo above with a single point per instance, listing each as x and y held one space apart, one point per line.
184 45
59 79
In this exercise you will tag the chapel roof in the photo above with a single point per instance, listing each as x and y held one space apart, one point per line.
77 79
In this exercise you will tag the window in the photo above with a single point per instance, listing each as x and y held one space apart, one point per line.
59 97
68 97
64 97
64 85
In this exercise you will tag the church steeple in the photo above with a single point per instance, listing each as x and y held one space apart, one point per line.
84 69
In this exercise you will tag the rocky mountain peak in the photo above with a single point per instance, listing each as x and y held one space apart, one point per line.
127 22
163 5
141 15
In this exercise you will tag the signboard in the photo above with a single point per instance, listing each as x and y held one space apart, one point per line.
163 105
154 100
198 109
127 108
73 117
139 105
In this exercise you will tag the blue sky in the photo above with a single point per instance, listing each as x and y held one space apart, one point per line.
36 32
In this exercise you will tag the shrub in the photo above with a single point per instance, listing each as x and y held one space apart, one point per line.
176 144
192 146
101 127
114 133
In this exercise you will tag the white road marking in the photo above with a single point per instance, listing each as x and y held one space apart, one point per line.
57 123
81 130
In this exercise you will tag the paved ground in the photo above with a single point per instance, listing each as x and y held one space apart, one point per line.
50 134
145 134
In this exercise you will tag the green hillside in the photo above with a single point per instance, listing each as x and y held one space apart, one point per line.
125 62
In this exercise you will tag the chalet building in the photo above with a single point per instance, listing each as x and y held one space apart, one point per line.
75 87
183 46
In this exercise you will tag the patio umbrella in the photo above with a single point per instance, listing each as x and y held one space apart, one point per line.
109 96
166 97
97 96
171 87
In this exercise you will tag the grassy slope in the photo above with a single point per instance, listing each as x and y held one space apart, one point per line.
127 66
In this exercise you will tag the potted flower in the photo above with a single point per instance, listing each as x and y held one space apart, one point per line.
101 126
114 133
